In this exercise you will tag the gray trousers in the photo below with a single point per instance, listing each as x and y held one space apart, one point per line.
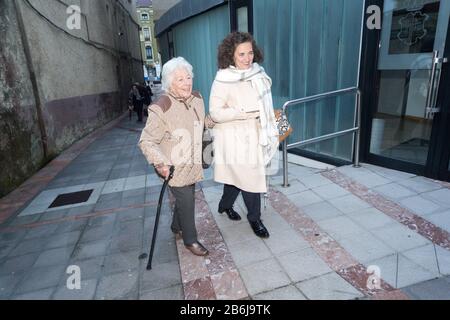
184 213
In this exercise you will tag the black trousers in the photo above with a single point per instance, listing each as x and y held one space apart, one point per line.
252 201
138 108
184 213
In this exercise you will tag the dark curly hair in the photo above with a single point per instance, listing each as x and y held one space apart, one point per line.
228 46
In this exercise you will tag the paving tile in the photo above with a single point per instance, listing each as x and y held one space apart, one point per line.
249 252
411 273
8 284
16 264
349 203
424 256
285 293
303 264
5 249
272 273
441 197
340 227
54 215
365 247
121 262
419 205
420 184
314 181
86 291
441 219
40 278
443 257
22 220
29 246
89 268
81 210
103 232
399 237
161 276
91 249
394 191
437 289
12 237
364 176
102 220
330 191
71 226
390 174
371 218
131 214
321 211
272 220
295 186
44 294
54 256
118 286
113 186
328 287
305 198
285 241
237 233
400 272
135 182
171 293
126 242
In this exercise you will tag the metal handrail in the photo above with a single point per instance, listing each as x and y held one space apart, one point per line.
356 130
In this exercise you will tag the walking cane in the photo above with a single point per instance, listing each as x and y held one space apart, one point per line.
158 212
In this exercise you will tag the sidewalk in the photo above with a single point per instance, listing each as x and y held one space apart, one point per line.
330 230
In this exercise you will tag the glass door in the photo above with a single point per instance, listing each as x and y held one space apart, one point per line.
410 64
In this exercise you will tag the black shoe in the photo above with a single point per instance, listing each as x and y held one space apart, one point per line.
233 215
259 229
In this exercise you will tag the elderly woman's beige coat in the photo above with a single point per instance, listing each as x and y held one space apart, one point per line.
173 136
237 152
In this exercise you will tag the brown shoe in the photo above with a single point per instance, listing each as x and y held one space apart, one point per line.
198 249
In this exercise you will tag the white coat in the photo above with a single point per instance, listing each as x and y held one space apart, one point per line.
238 156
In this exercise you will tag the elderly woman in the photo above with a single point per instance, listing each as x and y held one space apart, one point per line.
173 136
246 134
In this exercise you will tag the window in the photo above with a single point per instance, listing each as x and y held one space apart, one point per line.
241 16
147 34
144 16
242 19
149 52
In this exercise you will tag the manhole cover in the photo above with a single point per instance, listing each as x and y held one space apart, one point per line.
71 198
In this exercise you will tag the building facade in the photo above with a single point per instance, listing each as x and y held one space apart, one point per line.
394 51
149 46
63 73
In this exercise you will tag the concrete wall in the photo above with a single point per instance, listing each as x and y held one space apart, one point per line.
81 77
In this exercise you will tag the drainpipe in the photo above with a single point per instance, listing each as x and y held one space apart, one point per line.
37 98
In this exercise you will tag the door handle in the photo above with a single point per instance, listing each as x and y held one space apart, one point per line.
430 107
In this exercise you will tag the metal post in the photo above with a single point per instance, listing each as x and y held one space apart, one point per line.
285 164
357 133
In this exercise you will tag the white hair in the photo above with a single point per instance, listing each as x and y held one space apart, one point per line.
169 69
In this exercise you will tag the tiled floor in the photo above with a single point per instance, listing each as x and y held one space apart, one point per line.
329 230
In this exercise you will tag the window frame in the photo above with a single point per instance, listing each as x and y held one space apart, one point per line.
234 6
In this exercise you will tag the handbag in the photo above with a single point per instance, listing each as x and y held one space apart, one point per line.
283 125
207 151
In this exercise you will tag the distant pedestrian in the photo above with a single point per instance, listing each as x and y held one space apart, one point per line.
136 99
147 97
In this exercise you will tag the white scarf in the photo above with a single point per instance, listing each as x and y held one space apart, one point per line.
268 137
